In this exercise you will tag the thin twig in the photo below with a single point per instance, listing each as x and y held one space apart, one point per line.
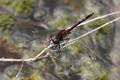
100 17
43 57
19 71
42 52
15 60
24 60
76 39
70 42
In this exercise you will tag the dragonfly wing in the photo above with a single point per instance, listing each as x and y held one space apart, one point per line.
45 31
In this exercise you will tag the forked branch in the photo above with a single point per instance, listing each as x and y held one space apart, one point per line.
69 42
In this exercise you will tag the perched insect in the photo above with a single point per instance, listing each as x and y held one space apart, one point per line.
62 34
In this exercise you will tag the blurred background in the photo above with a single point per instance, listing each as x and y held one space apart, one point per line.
21 21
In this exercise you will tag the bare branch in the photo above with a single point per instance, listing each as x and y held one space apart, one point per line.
24 60
99 17
19 71
42 52
43 57
70 42
76 39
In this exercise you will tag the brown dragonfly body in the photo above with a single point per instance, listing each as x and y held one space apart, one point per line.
64 33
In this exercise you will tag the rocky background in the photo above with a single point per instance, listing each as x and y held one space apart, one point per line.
24 20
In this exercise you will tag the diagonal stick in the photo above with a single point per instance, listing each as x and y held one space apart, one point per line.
76 39
100 17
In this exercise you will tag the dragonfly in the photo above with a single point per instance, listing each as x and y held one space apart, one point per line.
62 34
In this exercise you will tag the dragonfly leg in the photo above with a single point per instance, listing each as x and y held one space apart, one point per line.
67 39
56 45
